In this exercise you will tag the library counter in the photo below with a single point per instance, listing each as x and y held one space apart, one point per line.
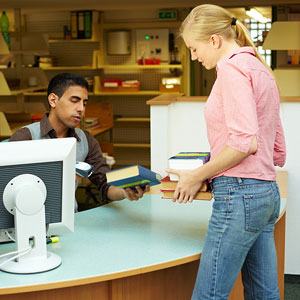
148 249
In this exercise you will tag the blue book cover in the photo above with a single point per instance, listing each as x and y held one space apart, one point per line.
204 156
132 176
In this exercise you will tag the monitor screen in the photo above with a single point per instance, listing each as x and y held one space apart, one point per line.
52 162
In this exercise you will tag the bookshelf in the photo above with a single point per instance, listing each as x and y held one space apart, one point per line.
15 81
89 57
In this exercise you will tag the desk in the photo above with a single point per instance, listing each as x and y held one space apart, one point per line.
147 249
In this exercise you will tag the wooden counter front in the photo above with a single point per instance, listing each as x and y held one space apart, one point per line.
148 249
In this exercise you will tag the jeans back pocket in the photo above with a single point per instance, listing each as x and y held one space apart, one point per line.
259 209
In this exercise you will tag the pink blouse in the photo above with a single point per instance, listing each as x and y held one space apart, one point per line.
244 102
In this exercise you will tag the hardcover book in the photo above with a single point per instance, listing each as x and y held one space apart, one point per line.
168 194
187 161
170 185
132 176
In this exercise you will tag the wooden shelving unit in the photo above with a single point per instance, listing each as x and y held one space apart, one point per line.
137 125
14 81
96 37
7 74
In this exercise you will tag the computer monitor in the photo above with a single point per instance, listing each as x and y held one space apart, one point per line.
37 190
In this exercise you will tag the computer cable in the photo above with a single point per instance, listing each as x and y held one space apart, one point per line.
19 254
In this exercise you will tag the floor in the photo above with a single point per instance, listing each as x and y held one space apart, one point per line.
292 287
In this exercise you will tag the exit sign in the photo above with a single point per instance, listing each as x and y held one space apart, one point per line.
167 15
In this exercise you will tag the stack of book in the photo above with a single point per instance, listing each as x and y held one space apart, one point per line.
168 188
187 161
92 122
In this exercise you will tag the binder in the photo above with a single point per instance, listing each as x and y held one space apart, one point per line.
74 33
87 24
80 24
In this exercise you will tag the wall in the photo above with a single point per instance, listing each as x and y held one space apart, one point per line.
180 126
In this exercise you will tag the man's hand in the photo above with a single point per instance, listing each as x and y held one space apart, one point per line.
136 194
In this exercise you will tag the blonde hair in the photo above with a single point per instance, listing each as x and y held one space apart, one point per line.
208 19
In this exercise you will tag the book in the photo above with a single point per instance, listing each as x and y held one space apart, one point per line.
87 24
187 161
91 122
80 24
132 176
168 185
168 194
74 30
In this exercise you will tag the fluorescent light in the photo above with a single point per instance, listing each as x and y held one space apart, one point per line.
254 14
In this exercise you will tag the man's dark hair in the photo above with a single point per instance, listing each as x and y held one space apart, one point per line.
61 82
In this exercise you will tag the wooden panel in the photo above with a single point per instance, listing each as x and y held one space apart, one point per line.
279 235
107 147
86 292
104 112
282 183
175 283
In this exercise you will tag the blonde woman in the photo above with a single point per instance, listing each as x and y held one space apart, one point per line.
246 142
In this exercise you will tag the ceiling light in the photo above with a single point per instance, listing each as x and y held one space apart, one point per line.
254 14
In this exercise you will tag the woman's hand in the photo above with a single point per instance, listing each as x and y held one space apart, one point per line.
188 185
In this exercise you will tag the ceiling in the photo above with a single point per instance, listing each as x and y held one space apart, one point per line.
127 4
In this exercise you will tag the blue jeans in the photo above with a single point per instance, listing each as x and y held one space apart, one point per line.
240 237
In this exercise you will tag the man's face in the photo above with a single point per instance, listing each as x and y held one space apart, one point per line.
69 109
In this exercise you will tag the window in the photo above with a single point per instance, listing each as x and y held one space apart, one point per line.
257 31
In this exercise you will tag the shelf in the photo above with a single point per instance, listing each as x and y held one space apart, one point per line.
134 25
283 35
54 41
288 67
131 145
140 93
32 43
3 46
96 34
27 90
99 130
54 68
32 93
136 66
11 73
31 52
113 67
132 122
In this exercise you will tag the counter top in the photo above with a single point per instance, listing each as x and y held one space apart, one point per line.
121 239
166 99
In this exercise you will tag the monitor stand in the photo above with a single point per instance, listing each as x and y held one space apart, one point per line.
24 197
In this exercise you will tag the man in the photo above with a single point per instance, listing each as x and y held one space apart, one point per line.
67 97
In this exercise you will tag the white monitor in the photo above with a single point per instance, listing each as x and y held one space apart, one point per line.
37 190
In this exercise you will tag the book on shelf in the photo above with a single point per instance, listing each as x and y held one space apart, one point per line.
91 122
131 176
170 185
168 194
187 161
